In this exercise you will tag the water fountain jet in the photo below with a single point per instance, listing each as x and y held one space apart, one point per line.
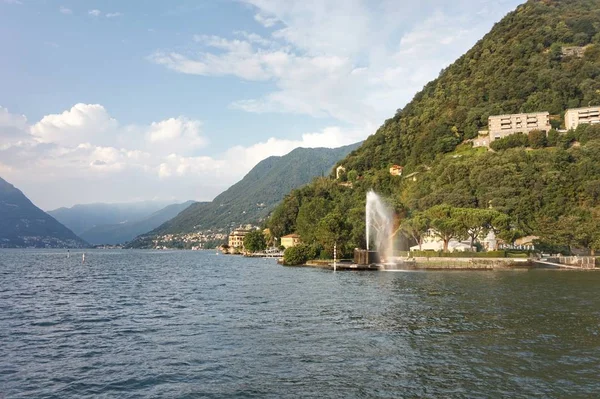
379 225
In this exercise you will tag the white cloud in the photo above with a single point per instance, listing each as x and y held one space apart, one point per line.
84 151
9 120
176 135
113 15
95 13
356 61
65 10
82 123
265 21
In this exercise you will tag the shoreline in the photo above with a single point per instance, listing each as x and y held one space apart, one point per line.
433 264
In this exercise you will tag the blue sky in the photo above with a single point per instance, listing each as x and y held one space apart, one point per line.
115 101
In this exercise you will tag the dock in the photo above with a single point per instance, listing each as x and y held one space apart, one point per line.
570 262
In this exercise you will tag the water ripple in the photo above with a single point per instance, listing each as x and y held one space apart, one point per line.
137 324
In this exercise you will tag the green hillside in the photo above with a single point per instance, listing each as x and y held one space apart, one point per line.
517 67
23 225
254 197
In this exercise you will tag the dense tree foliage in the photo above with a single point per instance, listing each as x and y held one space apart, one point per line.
517 67
531 184
512 141
255 241
517 192
300 254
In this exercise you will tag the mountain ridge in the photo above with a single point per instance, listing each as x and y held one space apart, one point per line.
83 217
122 233
22 224
520 66
252 198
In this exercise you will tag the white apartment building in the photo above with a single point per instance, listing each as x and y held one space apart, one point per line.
500 126
577 116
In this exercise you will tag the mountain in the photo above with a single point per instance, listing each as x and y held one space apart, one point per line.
252 199
544 56
517 67
23 224
123 232
83 217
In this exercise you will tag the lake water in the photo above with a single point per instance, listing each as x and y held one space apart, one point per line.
138 324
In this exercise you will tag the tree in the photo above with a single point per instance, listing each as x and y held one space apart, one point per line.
537 139
330 230
501 226
310 214
415 227
553 137
473 222
283 219
444 223
352 176
299 254
512 141
255 241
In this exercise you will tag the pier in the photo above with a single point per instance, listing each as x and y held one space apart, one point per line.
570 262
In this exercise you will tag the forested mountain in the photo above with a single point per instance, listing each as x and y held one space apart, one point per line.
22 224
121 233
517 67
551 189
253 198
83 217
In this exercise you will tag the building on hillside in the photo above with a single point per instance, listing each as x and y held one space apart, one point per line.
236 238
396 170
501 126
291 240
573 51
339 171
578 116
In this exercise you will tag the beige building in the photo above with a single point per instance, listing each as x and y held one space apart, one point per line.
501 126
578 116
396 170
236 238
573 51
291 240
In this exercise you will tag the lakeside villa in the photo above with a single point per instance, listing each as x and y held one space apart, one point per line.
291 240
236 237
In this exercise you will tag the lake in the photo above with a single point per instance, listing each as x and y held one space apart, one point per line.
138 324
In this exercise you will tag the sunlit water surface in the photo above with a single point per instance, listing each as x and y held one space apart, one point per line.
137 324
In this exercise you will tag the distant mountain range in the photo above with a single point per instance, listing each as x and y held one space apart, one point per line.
83 217
116 223
23 225
127 231
254 197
